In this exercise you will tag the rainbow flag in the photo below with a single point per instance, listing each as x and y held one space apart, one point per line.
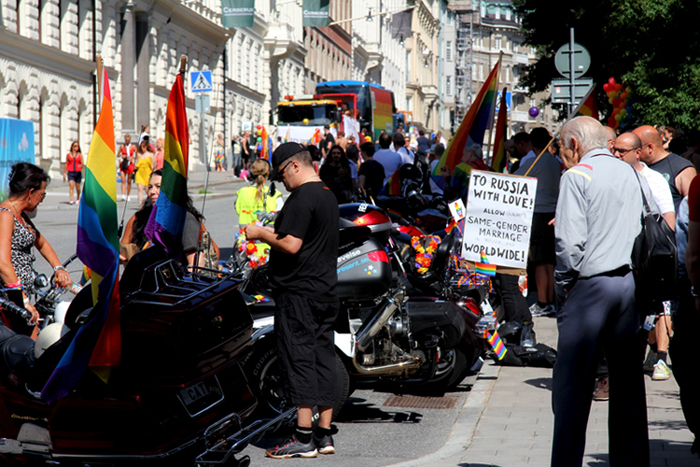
485 268
472 129
588 106
316 137
392 186
167 221
97 344
496 344
498 158
267 145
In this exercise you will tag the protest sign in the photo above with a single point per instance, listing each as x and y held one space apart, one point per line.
499 217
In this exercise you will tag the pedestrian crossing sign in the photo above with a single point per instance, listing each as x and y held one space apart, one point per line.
201 81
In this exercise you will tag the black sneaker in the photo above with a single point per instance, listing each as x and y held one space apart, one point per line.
324 444
293 448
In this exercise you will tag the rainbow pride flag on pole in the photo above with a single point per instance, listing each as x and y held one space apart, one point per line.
485 268
588 106
496 344
97 344
267 145
392 186
498 158
167 221
473 127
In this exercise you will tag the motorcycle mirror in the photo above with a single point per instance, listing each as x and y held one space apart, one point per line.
41 281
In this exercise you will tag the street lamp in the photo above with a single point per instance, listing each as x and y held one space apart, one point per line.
369 16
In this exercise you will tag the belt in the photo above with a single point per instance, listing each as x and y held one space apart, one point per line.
619 272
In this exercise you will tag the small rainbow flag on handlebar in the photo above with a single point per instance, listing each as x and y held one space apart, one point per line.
496 344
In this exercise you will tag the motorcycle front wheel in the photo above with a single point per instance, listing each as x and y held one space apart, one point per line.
266 382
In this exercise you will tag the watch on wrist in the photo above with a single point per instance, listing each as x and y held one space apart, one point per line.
59 268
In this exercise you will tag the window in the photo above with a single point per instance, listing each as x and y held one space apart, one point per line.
498 43
448 51
448 85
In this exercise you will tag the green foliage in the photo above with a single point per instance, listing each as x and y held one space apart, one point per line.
653 46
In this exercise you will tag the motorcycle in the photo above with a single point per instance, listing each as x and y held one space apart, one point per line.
179 396
383 334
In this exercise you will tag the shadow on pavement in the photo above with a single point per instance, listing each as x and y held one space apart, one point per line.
357 410
540 383
476 464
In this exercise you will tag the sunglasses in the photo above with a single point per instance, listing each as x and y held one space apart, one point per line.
281 171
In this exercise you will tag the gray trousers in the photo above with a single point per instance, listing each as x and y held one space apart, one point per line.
600 311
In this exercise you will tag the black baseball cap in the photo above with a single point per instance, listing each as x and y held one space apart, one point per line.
283 152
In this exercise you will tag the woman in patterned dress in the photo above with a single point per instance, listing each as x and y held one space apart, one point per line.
18 235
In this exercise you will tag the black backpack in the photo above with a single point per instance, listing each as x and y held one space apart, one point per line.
654 258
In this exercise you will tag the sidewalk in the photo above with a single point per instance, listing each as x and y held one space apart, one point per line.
515 428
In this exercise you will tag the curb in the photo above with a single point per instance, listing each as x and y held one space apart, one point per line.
463 430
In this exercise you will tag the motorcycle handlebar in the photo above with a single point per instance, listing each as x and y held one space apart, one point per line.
10 306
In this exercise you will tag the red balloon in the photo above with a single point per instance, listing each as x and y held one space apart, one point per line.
606 87
616 101
259 127
611 81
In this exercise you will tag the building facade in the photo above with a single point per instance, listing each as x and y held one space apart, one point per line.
485 31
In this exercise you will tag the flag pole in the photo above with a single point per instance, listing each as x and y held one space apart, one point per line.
571 117
492 133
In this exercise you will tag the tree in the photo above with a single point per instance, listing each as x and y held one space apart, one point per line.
650 45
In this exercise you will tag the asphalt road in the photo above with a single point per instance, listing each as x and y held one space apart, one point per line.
368 433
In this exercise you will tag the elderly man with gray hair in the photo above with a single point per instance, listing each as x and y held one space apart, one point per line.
597 220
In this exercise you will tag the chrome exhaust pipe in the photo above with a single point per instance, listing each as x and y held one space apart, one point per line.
369 331
412 363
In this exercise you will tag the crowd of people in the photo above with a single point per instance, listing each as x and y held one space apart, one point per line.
588 205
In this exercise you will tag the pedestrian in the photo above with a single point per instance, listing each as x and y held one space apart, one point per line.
19 239
126 165
220 154
246 150
134 238
160 154
434 155
371 172
678 172
390 160
423 143
258 198
144 167
547 171
327 141
302 270
407 156
683 346
341 141
74 171
337 175
597 220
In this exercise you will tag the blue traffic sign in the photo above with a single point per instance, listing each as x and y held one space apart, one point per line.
201 81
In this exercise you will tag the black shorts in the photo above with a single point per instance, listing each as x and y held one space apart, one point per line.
76 176
542 249
305 347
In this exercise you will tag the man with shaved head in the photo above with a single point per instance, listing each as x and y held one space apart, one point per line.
677 171
598 218
628 147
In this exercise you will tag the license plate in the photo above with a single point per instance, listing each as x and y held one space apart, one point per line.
194 393
202 396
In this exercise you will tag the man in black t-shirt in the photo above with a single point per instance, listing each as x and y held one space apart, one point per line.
371 172
302 269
